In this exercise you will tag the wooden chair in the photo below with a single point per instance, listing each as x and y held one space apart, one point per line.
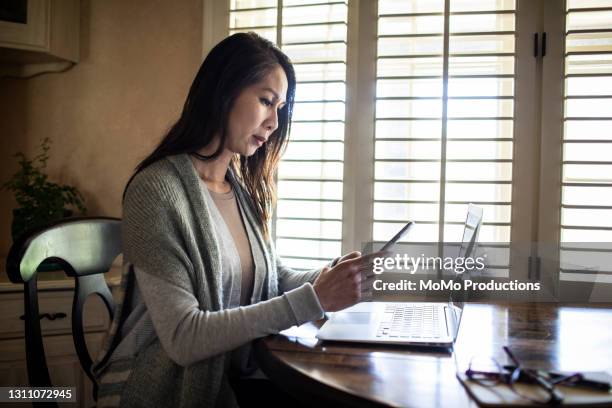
85 247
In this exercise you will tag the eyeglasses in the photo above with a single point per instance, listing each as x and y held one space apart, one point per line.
536 386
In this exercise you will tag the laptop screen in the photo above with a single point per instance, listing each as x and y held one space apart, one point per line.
466 249
470 231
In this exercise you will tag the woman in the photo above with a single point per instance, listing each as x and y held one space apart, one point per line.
201 278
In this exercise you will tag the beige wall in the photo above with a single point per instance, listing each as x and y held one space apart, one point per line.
138 59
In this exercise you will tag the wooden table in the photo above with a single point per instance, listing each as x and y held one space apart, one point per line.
546 335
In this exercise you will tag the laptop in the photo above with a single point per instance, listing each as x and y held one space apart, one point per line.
406 323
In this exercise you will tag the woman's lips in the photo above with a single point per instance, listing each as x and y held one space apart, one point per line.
259 140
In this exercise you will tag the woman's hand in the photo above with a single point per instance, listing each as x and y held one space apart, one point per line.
351 255
346 283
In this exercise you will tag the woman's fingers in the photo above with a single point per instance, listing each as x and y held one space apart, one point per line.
367 279
348 282
361 264
367 282
349 256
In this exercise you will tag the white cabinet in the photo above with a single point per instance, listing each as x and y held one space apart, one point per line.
55 299
48 31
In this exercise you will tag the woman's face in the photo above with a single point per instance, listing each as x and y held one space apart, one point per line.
254 115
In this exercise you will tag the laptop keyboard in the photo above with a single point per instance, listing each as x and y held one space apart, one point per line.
416 321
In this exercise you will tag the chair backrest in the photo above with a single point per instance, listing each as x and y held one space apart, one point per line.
85 247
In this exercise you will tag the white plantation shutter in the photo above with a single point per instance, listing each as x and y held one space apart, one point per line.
586 201
438 147
447 106
308 222
259 16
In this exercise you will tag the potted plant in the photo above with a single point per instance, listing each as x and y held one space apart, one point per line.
40 201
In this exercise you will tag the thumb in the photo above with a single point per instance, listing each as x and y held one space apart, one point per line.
352 255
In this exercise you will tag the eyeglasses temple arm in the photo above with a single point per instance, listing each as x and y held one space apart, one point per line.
512 357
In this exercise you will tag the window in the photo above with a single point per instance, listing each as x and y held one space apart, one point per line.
444 117
410 109
586 192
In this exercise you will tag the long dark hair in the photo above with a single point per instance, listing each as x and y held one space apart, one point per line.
235 63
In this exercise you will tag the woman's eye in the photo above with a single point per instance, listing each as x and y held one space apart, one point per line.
265 102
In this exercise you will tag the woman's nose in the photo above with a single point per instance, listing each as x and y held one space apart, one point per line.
272 121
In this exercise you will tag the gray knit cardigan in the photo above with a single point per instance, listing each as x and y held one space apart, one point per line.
167 231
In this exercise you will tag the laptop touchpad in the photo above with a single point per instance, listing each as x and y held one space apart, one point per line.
352 318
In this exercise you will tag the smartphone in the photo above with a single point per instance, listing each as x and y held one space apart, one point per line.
391 242
397 236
